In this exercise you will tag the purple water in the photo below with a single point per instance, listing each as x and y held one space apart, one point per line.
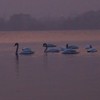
52 76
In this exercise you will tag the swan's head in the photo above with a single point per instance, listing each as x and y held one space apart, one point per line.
44 45
16 44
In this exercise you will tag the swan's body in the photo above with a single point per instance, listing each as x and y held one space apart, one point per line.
90 49
69 47
50 48
24 50
70 51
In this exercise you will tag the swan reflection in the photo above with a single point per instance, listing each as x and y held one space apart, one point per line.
17 65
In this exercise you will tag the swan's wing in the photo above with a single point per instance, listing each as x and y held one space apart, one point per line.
73 47
51 45
27 52
26 49
52 49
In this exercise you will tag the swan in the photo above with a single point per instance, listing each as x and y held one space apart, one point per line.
24 50
90 49
69 47
50 48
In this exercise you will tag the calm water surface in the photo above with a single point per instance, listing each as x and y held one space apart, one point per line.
51 76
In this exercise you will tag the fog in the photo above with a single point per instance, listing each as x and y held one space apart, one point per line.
47 8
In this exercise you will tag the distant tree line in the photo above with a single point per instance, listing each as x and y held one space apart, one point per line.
19 22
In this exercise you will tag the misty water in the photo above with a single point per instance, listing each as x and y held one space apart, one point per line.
52 76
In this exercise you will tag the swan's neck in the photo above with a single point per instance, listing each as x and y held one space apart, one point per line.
66 45
46 49
90 46
17 49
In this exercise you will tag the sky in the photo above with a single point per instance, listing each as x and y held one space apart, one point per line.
47 8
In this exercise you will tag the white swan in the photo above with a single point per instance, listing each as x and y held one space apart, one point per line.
69 47
24 50
50 48
89 48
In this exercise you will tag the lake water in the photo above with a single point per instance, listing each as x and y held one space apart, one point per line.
52 76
